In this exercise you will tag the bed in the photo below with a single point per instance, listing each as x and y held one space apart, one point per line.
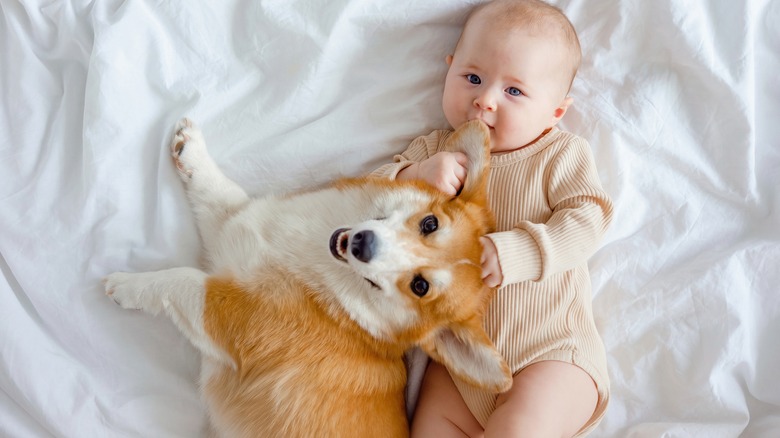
678 99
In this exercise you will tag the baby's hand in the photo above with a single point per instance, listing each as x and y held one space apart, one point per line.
445 171
491 269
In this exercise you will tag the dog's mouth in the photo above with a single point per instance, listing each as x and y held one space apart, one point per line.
374 285
339 241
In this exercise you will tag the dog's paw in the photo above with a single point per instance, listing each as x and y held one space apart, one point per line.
130 291
188 148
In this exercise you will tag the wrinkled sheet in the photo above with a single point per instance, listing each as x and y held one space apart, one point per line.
679 100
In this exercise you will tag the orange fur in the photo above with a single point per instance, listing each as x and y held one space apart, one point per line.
319 363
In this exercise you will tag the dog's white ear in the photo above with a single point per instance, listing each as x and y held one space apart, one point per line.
465 349
473 139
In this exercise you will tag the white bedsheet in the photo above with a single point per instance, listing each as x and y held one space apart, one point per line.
679 99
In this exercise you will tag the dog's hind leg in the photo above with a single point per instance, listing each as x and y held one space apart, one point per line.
180 292
214 197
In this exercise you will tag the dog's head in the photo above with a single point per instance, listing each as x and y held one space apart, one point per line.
418 261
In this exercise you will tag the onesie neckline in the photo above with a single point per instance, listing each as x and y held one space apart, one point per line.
525 152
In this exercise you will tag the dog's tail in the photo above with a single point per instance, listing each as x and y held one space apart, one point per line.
473 139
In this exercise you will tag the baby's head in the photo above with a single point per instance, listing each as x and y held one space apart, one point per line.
512 68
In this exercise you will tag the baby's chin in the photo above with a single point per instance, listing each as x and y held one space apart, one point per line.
499 145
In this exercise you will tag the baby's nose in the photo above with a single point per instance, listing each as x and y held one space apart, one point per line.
485 102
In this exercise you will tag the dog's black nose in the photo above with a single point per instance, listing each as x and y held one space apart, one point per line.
363 245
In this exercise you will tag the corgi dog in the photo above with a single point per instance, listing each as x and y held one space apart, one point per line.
308 301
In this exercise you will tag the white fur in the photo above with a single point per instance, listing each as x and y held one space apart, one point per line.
179 292
441 278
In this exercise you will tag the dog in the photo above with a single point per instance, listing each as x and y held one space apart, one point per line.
309 300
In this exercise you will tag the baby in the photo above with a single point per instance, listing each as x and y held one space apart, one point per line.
512 68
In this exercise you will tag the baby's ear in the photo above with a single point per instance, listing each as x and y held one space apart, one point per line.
561 110
465 349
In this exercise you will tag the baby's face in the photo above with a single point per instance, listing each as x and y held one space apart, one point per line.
514 82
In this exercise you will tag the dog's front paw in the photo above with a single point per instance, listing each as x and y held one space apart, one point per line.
188 148
131 291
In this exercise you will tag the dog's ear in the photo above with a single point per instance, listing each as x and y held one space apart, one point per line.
473 139
465 349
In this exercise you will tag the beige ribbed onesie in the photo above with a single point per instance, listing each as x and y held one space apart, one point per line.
551 214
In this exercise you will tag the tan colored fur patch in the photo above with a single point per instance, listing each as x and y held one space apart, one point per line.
297 367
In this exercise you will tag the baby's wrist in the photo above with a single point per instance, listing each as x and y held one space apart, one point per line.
407 173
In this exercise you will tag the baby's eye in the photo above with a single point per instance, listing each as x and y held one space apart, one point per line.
474 79
514 91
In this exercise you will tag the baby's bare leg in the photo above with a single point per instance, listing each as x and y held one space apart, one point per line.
441 411
547 399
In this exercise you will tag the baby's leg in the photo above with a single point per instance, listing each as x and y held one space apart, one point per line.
547 399
441 411
214 197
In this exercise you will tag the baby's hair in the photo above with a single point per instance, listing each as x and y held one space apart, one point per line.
537 17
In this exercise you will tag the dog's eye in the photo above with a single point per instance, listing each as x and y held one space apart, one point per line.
428 225
419 286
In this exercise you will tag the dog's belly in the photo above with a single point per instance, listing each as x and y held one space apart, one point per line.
240 247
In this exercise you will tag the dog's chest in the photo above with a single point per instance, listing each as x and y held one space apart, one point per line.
291 232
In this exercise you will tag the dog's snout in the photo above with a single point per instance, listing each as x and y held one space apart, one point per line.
363 245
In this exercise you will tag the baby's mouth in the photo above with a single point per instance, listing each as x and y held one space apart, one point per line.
486 123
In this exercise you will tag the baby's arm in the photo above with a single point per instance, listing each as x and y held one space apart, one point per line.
491 268
421 160
445 171
581 213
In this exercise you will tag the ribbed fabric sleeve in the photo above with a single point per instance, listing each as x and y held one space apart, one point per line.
517 245
570 194
419 149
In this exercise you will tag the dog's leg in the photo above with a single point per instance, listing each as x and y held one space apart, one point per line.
180 292
214 197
